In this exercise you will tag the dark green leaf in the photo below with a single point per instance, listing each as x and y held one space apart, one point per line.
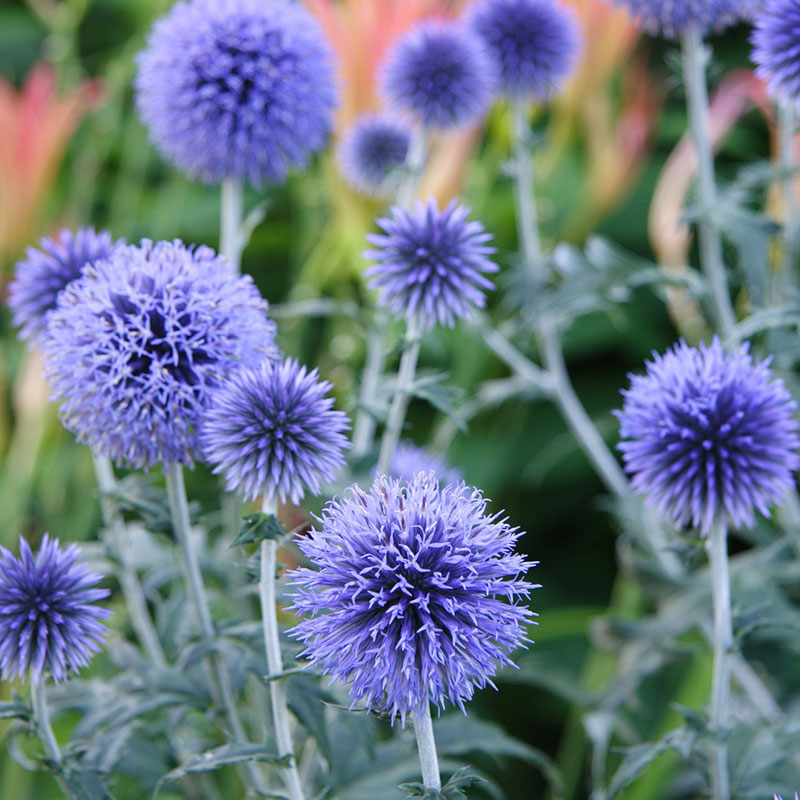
257 527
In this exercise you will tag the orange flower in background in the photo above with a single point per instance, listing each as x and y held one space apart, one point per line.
36 124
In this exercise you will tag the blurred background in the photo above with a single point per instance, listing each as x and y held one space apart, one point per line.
73 152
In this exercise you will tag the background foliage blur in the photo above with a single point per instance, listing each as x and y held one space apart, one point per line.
72 151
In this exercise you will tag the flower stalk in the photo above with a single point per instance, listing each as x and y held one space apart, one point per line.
426 747
272 644
787 123
41 715
230 223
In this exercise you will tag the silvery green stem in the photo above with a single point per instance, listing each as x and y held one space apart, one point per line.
717 548
426 746
695 56
135 600
219 675
41 715
364 426
787 120
405 380
230 223
561 387
272 644
414 166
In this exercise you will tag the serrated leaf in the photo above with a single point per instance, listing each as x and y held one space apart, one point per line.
455 788
17 710
257 527
224 756
415 789
84 784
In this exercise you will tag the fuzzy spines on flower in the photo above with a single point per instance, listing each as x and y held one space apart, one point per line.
416 594
41 276
137 344
237 88
709 433
776 48
431 263
272 429
671 18
440 74
534 43
48 618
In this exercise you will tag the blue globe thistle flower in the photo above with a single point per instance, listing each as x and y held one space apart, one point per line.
430 263
408 460
776 48
271 429
415 595
48 620
137 345
40 278
709 434
534 43
237 88
671 18
373 152
440 73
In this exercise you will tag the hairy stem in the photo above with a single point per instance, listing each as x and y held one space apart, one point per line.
717 547
695 56
41 715
397 411
272 644
132 591
787 122
426 746
230 221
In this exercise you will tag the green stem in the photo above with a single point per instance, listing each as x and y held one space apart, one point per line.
365 424
230 223
787 121
426 746
272 644
41 715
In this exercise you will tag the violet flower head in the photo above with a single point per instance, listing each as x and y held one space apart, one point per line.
440 74
373 153
408 460
48 618
43 274
138 344
272 429
237 88
671 18
709 434
776 48
416 595
431 263
534 43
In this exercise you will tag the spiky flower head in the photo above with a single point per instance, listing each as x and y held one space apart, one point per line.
408 459
709 434
671 18
237 88
42 275
534 43
440 74
373 153
137 345
271 429
415 595
431 263
776 48
48 618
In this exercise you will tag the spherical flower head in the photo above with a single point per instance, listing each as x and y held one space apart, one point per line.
776 48
534 43
48 620
271 429
415 595
671 18
440 74
709 435
137 345
431 263
373 153
408 460
237 88
43 274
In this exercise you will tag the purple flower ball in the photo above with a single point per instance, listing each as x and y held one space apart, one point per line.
440 74
138 344
408 460
237 88
709 434
40 278
534 43
373 152
431 263
415 595
271 429
48 620
776 48
671 18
